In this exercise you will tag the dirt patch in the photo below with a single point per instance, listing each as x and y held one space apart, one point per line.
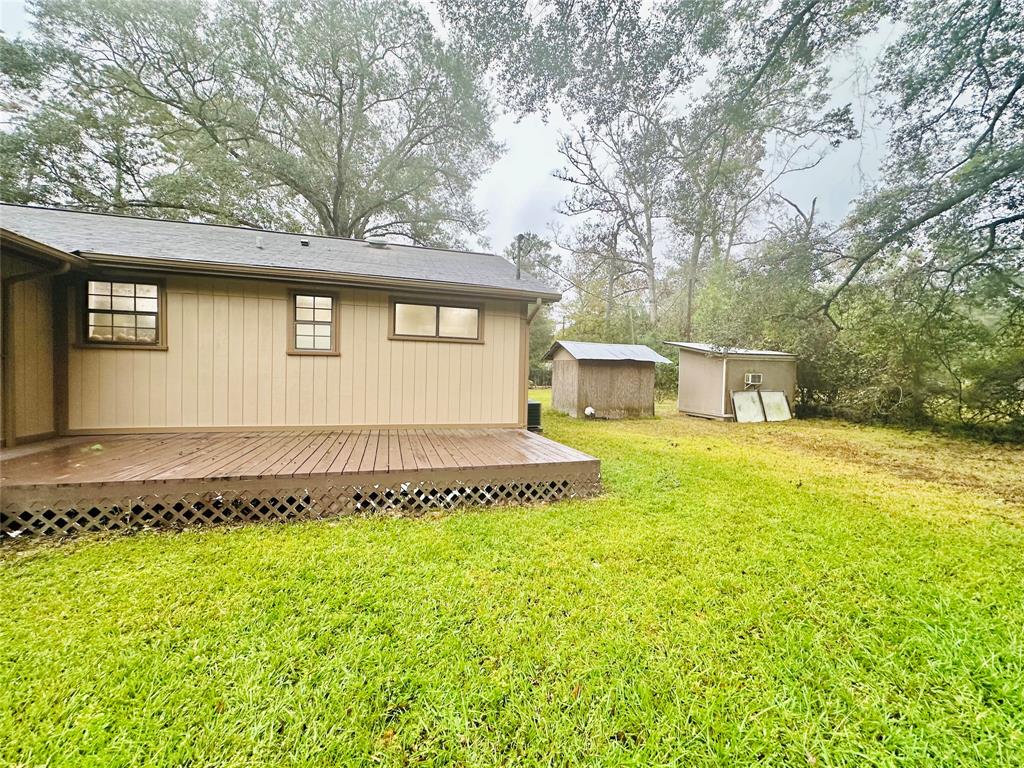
995 470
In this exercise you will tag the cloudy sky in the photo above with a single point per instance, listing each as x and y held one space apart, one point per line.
519 193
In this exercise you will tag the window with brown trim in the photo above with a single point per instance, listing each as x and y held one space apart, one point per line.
314 323
122 312
446 322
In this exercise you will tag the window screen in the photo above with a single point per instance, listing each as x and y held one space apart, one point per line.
314 323
122 313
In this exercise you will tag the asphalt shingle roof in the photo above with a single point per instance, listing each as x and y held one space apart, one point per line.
177 241
590 350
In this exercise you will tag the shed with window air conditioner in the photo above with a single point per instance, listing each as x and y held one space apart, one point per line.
236 373
615 380
710 374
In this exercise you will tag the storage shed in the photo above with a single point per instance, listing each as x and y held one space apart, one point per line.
709 374
616 380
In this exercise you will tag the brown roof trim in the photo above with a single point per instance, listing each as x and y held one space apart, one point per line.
42 250
304 275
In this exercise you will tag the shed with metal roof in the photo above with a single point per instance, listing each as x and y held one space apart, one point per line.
709 374
616 381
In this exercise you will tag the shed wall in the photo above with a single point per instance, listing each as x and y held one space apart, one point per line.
31 363
779 375
565 384
616 390
701 384
227 366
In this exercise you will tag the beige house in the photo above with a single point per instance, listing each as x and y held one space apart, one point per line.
615 381
116 325
119 324
708 375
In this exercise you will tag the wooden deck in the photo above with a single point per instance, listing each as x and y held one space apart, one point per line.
175 479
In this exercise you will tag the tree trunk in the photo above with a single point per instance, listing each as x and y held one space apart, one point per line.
608 301
691 280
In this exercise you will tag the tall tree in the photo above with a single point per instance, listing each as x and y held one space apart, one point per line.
594 57
353 117
953 88
619 174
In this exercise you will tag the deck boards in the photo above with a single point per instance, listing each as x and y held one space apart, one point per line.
120 459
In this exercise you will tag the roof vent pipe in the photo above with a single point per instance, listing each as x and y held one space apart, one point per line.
377 243
304 242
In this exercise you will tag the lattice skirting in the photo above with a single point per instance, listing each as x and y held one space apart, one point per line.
69 510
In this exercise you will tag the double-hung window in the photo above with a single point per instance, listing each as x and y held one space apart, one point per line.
123 312
314 323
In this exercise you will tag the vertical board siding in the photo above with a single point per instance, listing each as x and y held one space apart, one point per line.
227 366
778 375
31 349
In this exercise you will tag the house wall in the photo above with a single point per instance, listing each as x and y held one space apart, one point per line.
617 390
30 364
565 383
779 375
701 381
227 365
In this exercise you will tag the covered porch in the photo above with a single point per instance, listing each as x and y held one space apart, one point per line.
110 482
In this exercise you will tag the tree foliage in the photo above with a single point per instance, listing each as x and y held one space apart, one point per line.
353 118
909 308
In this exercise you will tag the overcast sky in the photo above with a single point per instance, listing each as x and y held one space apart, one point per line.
519 194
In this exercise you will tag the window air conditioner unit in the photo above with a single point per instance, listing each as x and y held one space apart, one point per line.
753 379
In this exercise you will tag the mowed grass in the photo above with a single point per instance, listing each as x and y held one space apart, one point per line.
800 594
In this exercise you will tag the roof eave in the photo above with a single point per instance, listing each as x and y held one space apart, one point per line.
37 248
551 352
731 355
559 345
307 275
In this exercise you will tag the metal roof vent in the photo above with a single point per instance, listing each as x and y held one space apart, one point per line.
377 243
304 242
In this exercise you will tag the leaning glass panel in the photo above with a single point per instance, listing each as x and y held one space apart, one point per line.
415 320
459 322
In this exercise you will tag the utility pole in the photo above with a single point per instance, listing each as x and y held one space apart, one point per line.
519 255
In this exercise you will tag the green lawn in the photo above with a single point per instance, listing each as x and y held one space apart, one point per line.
808 593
